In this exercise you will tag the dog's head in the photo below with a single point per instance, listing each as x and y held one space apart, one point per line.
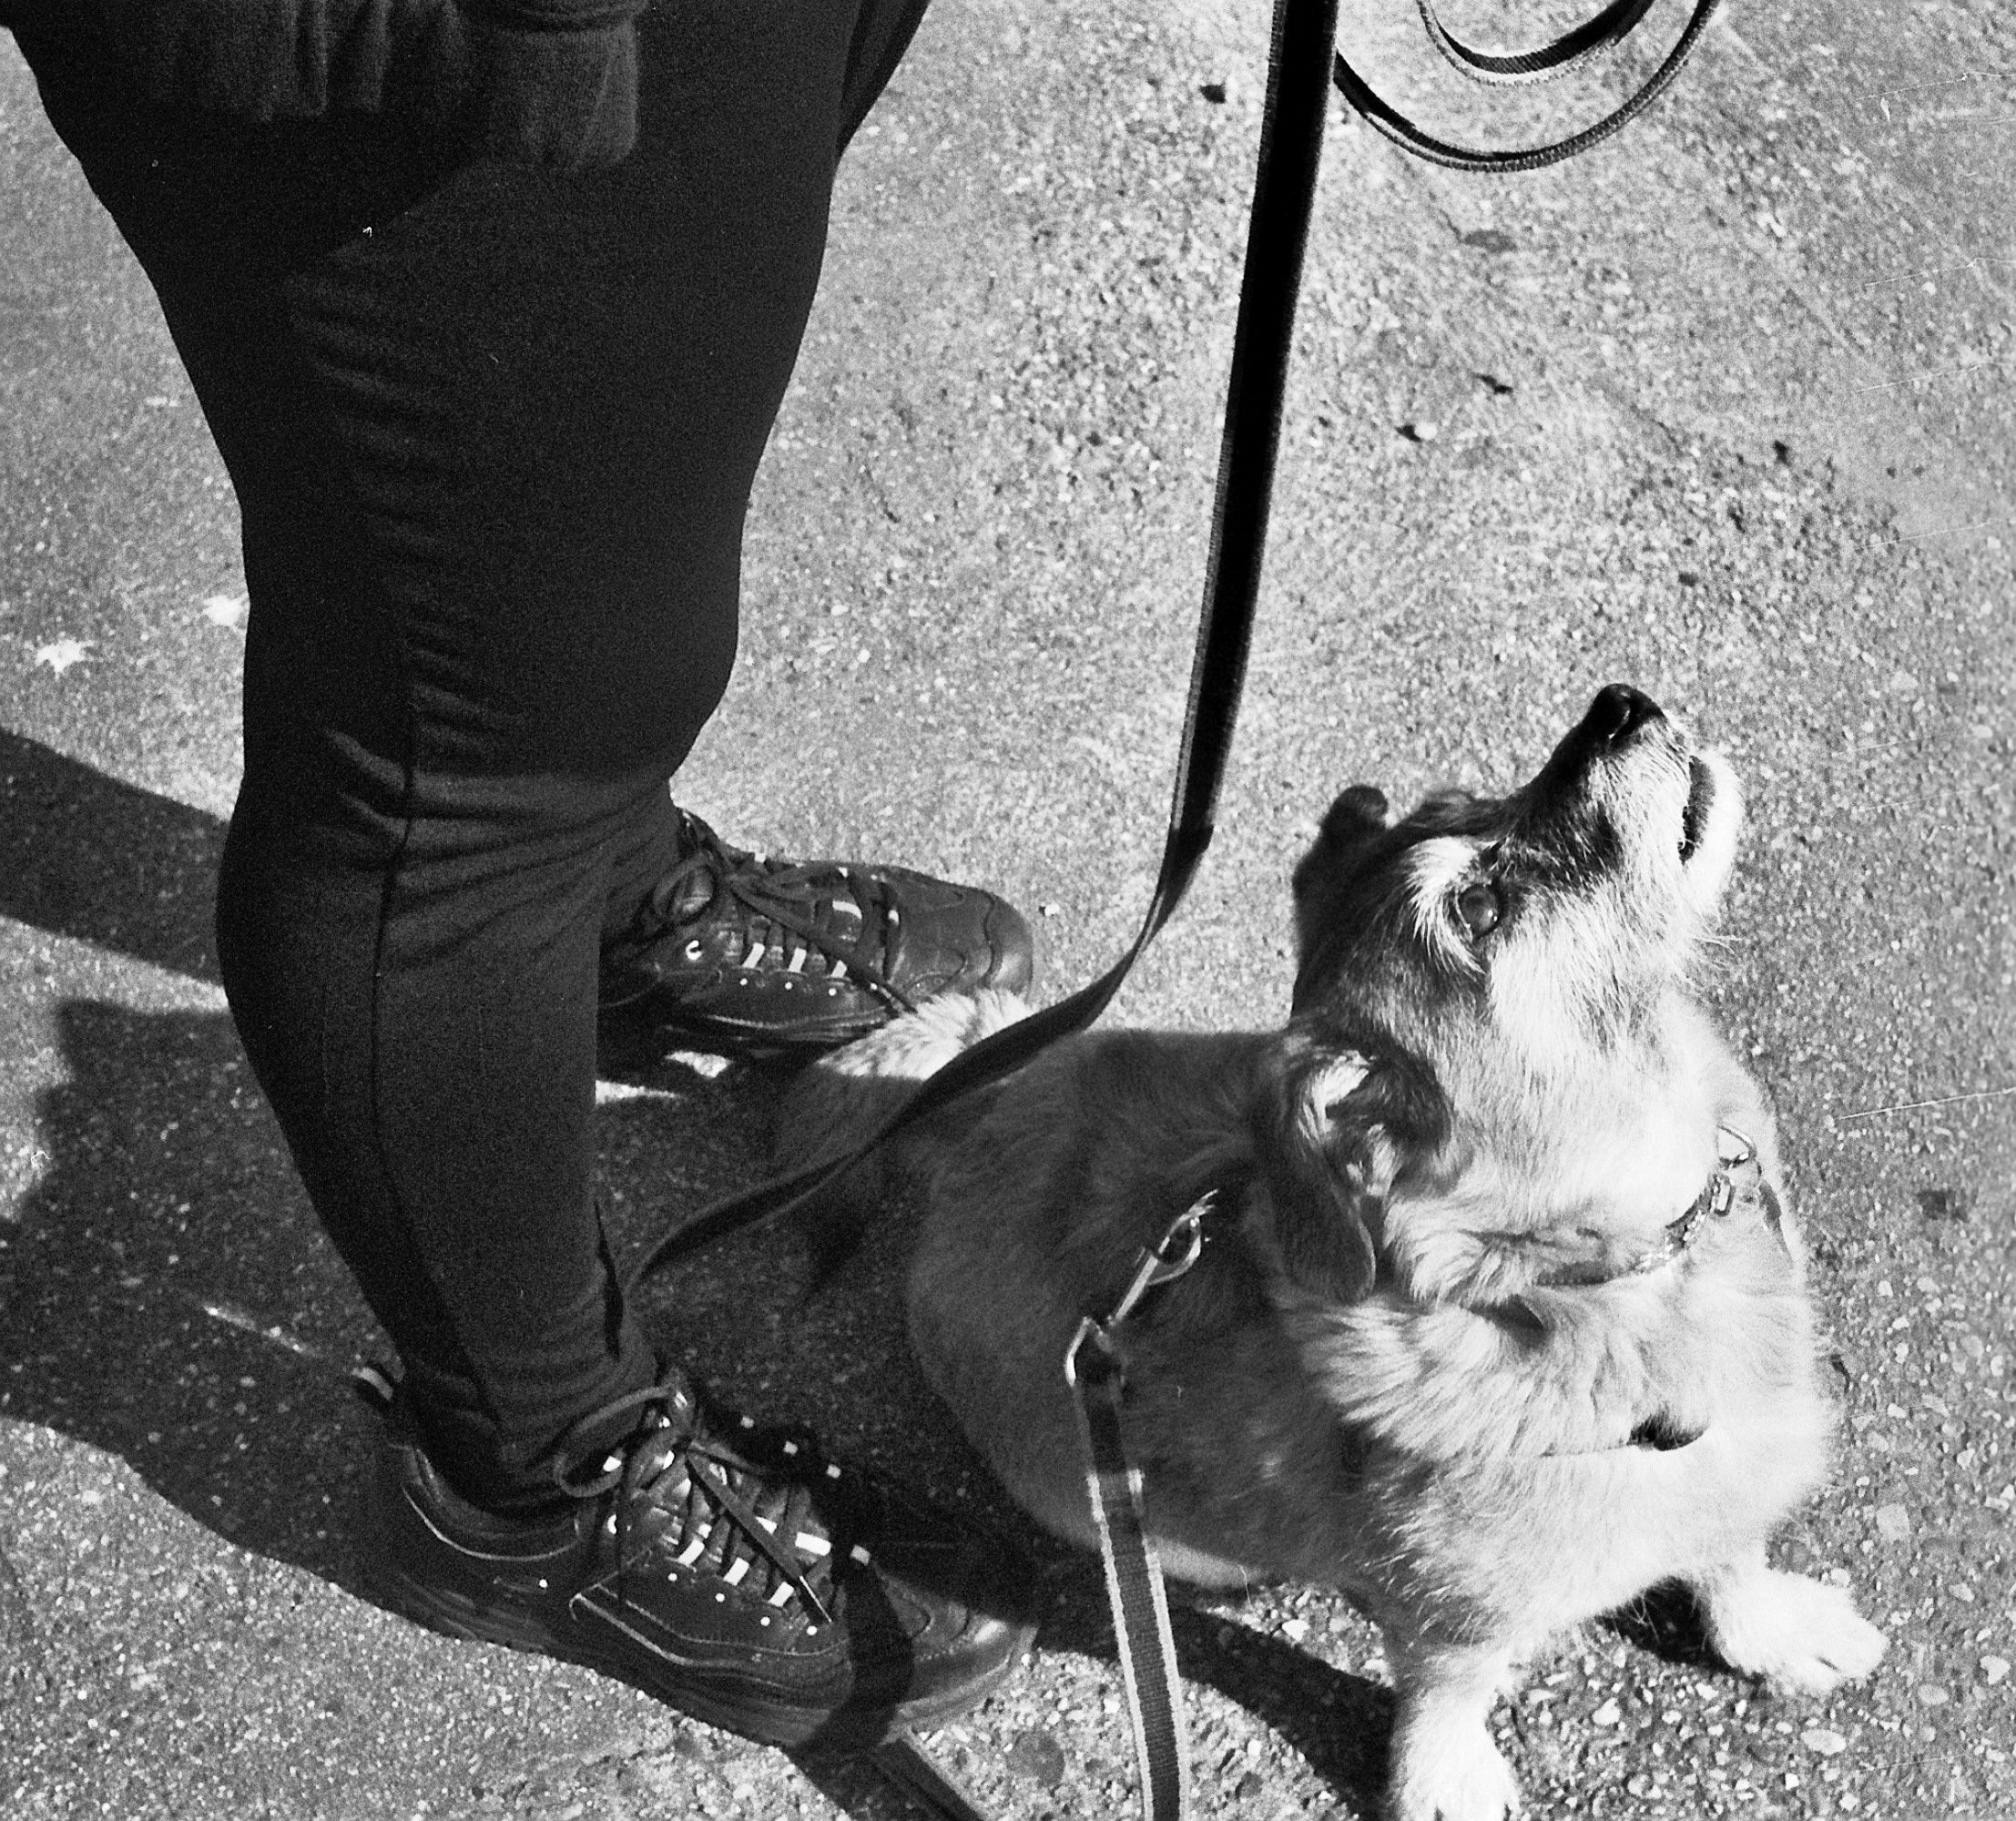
1486 1002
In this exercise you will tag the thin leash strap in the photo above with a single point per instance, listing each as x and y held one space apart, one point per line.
1096 1373
1569 52
1141 1634
1606 30
1284 194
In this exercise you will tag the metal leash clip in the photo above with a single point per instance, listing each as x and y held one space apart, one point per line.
1730 1157
1153 1265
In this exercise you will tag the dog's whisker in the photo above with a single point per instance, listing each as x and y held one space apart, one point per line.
1921 1105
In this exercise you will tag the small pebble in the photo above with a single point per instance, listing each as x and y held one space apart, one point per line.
1993 1669
1822 1740
1608 1715
1038 1756
1893 1523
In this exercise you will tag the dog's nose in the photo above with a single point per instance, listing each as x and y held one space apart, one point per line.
1617 713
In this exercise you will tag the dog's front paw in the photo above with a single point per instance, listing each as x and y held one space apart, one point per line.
1799 1635
1450 1774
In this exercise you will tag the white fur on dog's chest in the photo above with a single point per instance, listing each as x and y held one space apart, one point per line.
1564 1371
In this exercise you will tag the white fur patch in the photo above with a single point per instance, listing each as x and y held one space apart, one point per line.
1337 1081
1434 870
1799 1635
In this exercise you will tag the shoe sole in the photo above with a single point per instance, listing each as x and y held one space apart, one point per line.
455 1616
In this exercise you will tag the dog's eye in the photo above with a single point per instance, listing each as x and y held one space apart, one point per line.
1479 907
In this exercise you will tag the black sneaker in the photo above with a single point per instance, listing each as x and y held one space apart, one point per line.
741 1578
768 955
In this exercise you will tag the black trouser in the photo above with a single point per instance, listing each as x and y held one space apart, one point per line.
493 431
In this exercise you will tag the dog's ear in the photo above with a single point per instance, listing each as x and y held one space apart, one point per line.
1357 815
1324 873
1326 1160
1357 812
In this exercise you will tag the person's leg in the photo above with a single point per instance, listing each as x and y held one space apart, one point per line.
492 441
493 431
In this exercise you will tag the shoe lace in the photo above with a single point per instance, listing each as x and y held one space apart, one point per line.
813 902
715 1510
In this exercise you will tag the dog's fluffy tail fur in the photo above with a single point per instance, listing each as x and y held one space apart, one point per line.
839 1100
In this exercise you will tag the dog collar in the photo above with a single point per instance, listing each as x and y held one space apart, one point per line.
1735 1153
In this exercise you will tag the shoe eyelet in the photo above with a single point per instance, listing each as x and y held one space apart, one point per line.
762 1621
694 952
720 1599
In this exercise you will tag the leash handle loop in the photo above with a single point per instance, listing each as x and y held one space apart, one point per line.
1389 123
1569 52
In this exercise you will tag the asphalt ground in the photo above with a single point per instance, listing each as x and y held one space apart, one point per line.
1722 411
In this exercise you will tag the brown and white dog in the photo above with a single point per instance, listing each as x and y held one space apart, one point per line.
1504 1317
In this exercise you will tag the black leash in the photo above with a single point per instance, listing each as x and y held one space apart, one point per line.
1283 192
1303 61
1291 140
1570 51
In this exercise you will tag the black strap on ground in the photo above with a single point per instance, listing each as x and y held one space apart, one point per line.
1284 191
1568 53
906 1763
1606 30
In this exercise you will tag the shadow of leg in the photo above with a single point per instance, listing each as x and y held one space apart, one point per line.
84 855
170 1296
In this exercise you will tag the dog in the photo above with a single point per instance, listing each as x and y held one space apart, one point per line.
1501 1319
